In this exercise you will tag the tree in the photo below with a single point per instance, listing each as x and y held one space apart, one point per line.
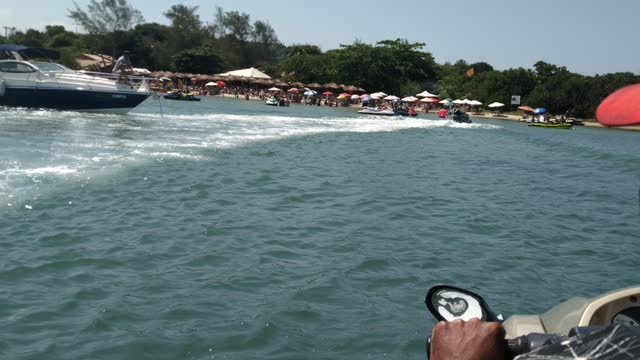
186 26
106 17
202 60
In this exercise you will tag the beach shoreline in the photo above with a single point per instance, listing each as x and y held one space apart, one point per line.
591 123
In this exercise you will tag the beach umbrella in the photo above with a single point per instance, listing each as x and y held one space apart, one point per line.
221 84
410 99
310 93
458 102
314 86
331 86
327 93
368 98
293 91
275 89
355 97
445 102
211 84
430 100
375 96
540 111
474 103
391 97
526 108
426 94
496 105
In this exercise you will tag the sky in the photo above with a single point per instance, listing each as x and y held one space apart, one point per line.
587 36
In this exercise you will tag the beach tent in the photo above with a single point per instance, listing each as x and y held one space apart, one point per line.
247 73
392 98
426 94
496 105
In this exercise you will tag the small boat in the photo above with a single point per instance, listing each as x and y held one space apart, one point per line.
27 83
461 118
405 112
273 101
551 126
377 111
181 96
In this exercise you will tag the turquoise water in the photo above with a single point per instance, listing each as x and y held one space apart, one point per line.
232 230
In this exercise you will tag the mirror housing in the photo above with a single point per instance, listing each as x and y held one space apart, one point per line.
449 303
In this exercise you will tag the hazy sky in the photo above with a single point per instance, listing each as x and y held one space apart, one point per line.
586 36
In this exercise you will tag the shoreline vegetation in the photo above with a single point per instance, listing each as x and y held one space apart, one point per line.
230 40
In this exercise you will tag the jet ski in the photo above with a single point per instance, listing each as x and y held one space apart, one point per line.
377 111
576 326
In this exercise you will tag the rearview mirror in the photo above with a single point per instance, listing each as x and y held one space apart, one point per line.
448 303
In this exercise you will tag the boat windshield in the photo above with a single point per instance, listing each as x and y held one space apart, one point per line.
51 67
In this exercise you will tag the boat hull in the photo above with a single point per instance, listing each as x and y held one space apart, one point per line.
181 98
72 100
552 126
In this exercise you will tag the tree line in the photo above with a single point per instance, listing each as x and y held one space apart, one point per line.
232 40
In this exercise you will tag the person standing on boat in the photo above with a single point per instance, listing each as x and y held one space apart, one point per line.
123 65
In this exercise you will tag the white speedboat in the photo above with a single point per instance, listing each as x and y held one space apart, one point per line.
376 111
47 85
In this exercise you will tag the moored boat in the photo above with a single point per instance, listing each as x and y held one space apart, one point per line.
181 96
47 85
551 126
377 111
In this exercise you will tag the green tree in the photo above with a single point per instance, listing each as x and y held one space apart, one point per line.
106 17
186 26
202 60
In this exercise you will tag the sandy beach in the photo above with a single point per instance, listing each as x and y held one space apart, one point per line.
592 123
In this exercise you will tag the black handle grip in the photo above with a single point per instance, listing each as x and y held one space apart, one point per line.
517 346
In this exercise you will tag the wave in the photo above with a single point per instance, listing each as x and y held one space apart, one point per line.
73 144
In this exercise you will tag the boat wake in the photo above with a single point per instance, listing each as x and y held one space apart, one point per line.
67 147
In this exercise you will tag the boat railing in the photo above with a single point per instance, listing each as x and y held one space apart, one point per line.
136 82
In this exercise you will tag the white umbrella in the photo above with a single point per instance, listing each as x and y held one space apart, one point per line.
474 103
445 102
496 105
431 100
410 99
426 94
458 102
355 97
310 93
391 97
274 89
375 96
382 94
466 102
211 84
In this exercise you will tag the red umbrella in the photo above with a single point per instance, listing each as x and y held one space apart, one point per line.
293 90
328 93
221 84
